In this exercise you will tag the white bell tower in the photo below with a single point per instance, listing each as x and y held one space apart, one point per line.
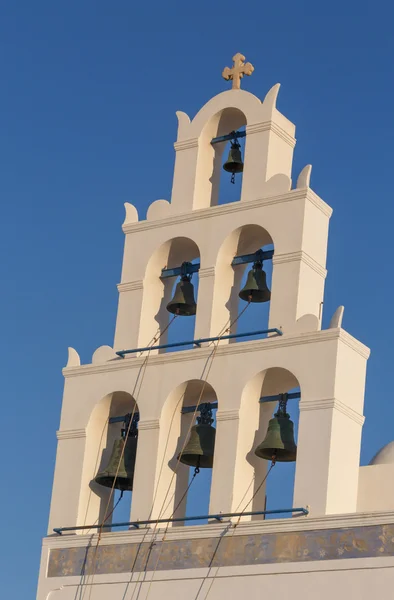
157 559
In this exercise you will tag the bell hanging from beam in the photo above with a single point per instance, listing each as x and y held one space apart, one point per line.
119 473
279 444
234 162
183 302
199 449
255 288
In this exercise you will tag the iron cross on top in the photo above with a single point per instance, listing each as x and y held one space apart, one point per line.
238 71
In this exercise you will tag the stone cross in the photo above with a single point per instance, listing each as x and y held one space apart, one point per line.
238 71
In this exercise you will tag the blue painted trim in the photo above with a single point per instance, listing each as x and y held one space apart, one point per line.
200 341
218 517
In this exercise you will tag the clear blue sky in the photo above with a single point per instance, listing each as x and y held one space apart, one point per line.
88 89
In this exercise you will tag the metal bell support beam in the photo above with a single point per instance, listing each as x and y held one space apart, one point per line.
234 135
238 260
277 398
214 405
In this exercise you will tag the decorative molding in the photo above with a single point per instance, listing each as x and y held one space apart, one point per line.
271 126
326 403
186 144
227 415
70 434
206 272
234 207
213 530
266 344
263 548
300 256
148 424
354 344
130 286
319 203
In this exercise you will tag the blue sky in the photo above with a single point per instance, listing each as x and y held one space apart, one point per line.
88 97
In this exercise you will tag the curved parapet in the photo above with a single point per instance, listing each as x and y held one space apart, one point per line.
183 123
74 359
385 456
337 318
103 354
160 209
304 178
271 97
131 215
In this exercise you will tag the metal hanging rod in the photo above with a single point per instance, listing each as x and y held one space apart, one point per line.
200 341
234 135
219 517
214 405
188 268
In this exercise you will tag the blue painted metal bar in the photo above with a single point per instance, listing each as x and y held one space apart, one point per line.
250 258
112 420
177 271
230 136
276 398
200 341
218 517
214 405
238 260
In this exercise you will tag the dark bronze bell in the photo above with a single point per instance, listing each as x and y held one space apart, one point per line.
124 478
199 449
234 162
279 444
183 302
256 289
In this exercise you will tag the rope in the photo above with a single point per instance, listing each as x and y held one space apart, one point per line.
135 395
273 463
227 327
208 365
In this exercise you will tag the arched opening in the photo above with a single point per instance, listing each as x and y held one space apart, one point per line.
258 408
230 279
159 291
214 183
110 452
183 449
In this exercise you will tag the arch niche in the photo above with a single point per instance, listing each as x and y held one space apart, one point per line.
158 292
254 419
246 239
210 156
173 476
96 501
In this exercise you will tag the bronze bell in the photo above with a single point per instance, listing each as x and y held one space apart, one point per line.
125 473
199 449
279 444
234 162
183 302
256 289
